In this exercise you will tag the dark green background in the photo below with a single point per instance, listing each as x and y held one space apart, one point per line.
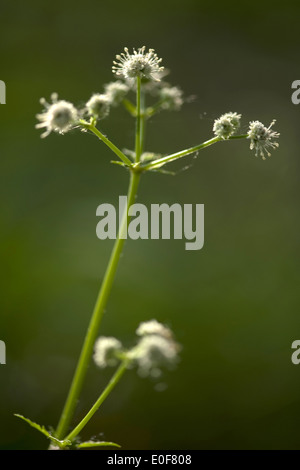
234 306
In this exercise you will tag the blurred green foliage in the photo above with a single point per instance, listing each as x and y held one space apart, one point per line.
233 305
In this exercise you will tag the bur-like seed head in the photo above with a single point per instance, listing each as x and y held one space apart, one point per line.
153 327
60 116
227 125
262 138
98 106
107 350
155 349
153 352
116 92
172 98
138 64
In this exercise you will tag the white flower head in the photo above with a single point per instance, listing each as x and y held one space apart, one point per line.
262 138
153 327
60 116
106 352
138 64
152 352
227 125
98 106
116 92
172 98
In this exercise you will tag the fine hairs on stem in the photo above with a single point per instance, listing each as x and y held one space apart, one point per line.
138 73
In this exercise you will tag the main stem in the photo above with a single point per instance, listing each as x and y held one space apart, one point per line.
143 120
138 142
92 332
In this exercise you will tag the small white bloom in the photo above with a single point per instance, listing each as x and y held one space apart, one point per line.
262 138
106 351
152 352
138 64
227 125
98 106
60 116
153 327
172 98
116 92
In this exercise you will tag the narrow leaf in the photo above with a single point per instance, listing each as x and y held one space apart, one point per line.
117 162
43 430
87 444
164 172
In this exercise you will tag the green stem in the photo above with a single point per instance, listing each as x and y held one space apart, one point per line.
111 385
104 139
143 122
92 332
138 121
183 153
129 107
149 112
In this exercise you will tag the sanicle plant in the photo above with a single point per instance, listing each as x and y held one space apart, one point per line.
139 72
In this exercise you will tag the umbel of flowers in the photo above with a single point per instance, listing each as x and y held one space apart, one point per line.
140 73
156 348
62 116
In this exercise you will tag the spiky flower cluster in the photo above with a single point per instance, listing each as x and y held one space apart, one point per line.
155 348
262 138
227 125
138 64
154 351
153 327
107 350
116 92
98 106
172 98
60 116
